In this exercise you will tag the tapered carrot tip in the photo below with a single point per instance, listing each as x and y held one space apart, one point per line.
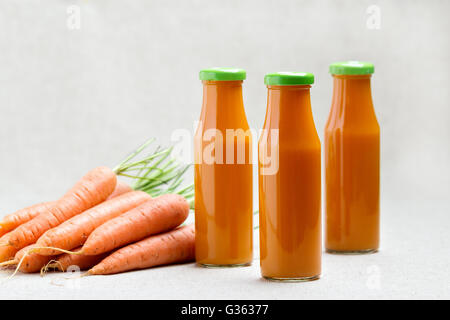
95 271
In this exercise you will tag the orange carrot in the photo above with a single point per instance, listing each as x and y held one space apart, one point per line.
74 232
83 262
121 188
157 215
175 246
13 220
7 252
32 262
91 190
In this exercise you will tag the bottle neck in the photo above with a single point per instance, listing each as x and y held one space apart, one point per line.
352 89
352 100
288 105
289 110
223 106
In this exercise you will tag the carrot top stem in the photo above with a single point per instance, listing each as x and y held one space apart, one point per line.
163 161
155 172
127 162
135 152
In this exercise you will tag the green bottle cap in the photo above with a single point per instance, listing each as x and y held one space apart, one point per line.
351 67
223 74
288 78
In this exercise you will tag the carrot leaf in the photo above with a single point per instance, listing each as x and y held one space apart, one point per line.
155 171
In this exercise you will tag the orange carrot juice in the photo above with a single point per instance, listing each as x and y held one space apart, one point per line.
289 182
223 173
352 162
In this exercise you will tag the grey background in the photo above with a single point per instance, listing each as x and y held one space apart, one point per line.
74 99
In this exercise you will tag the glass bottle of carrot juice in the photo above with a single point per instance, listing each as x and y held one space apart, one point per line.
352 162
223 173
289 181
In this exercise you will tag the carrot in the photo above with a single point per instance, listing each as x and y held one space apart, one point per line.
91 190
121 188
74 232
175 246
13 220
28 261
6 251
83 262
157 215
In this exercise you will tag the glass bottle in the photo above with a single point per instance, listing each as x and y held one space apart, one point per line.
289 181
223 173
352 162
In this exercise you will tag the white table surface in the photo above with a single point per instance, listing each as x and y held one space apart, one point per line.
413 263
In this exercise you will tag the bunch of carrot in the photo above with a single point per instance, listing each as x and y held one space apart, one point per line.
103 225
